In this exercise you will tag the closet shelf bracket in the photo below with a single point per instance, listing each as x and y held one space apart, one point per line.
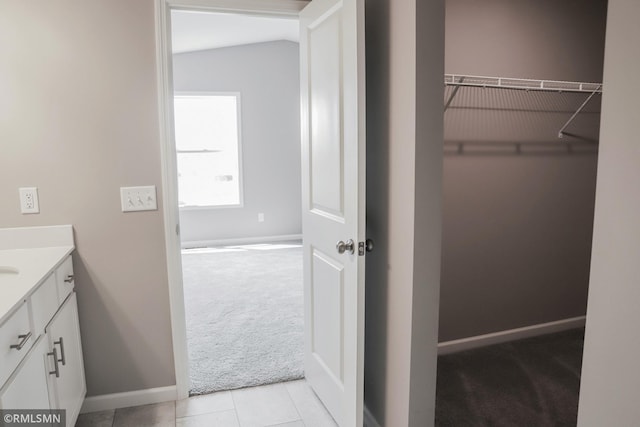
562 133
455 91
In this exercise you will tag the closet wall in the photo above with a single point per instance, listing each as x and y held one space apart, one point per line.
518 226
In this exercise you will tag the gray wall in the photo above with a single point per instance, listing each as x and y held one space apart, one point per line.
404 183
517 228
267 77
610 374
78 119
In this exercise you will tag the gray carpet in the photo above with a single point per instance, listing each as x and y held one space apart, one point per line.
529 383
244 307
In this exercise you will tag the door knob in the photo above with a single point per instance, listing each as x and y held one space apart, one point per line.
343 247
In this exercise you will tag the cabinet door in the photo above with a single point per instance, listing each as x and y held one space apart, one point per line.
64 335
27 388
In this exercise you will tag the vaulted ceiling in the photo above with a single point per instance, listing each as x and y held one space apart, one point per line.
192 31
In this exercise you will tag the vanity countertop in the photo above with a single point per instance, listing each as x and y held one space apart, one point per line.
27 257
33 265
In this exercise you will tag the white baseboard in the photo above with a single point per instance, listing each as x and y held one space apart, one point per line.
369 419
239 241
469 343
107 402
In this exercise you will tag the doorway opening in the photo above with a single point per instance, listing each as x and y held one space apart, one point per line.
237 134
332 182
521 149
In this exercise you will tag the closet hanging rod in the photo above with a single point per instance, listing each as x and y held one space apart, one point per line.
458 80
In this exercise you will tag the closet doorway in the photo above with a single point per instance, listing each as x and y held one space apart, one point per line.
237 132
521 147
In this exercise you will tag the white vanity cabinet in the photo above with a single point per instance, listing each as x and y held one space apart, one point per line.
47 371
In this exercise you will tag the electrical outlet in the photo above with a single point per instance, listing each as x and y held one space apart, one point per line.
260 217
134 199
29 200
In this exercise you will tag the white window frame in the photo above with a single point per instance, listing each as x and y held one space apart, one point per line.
240 156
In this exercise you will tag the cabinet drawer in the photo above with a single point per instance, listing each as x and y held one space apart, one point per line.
44 304
27 388
14 332
64 279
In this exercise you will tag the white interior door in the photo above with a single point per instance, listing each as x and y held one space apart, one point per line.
333 186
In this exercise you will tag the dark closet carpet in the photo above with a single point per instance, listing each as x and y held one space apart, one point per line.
529 383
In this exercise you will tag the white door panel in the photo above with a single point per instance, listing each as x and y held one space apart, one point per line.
333 183
327 288
327 189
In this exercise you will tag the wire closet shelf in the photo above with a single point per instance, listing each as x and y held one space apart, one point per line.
521 84
460 80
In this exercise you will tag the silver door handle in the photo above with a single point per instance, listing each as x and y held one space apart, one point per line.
69 278
343 247
56 371
23 340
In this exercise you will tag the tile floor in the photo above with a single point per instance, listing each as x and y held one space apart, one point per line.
289 404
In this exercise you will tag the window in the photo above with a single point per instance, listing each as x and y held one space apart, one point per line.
208 149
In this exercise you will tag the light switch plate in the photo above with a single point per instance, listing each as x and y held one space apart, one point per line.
29 200
134 199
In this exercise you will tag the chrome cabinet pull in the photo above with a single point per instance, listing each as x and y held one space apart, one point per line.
69 278
343 247
61 344
23 340
56 371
